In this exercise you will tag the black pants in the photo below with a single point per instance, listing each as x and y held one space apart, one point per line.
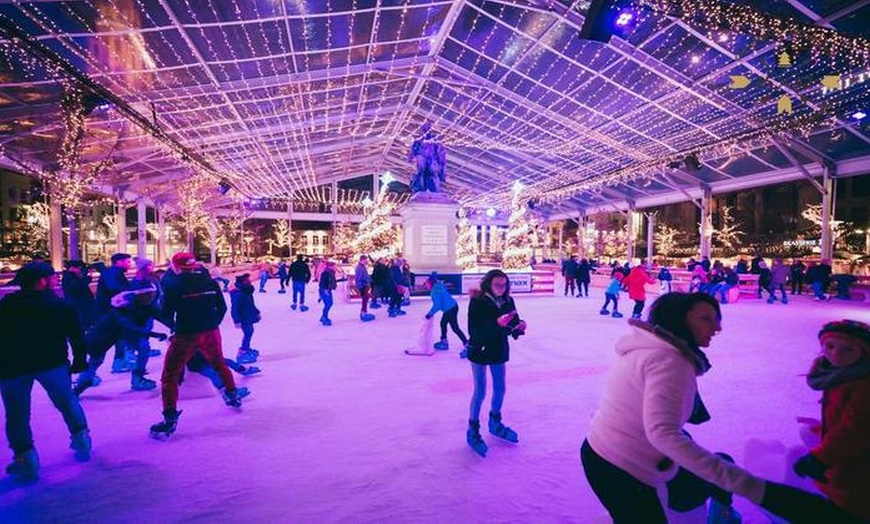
638 307
449 317
582 288
797 285
608 298
628 500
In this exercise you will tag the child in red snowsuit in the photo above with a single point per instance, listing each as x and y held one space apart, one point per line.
840 464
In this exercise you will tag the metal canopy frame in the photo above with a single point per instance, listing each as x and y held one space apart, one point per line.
282 98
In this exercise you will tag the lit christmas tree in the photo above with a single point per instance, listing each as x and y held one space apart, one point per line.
377 236
466 243
345 239
729 232
518 251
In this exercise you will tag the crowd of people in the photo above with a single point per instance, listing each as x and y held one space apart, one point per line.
636 448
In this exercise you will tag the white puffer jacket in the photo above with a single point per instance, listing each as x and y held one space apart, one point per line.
649 396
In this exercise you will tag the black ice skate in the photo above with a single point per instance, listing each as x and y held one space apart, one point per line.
165 429
499 430
472 436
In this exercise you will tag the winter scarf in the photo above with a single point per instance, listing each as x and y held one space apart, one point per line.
824 376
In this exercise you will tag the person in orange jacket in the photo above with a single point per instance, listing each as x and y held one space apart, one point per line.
635 282
839 464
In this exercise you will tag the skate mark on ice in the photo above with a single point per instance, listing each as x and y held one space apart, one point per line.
524 378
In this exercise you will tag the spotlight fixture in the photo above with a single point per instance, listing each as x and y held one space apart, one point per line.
490 212
624 18
599 22
696 59
224 186
859 115
517 187
692 162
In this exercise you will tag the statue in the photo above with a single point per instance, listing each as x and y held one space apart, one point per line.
430 157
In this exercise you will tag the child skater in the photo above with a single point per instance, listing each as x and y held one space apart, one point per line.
492 317
327 285
444 302
611 294
245 314
841 462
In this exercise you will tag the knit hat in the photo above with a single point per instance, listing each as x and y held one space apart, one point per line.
184 260
142 263
433 277
31 272
242 277
850 328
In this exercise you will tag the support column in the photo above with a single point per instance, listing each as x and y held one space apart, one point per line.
650 236
706 227
55 234
484 240
72 223
212 239
827 241
581 234
561 240
334 214
630 232
161 236
121 228
493 238
141 235
290 227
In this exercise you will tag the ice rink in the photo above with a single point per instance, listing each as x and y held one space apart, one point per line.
341 426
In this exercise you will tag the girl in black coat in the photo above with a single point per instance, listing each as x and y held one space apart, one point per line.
492 317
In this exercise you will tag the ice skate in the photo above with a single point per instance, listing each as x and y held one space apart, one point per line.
771 300
417 353
282 291
472 436
81 386
604 311
784 300
247 371
366 317
232 398
165 429
96 381
442 345
375 305
636 316
140 383
81 444
325 321
400 313
25 466
392 313
303 307
616 314
499 430
464 352
241 392
293 307
121 365
246 357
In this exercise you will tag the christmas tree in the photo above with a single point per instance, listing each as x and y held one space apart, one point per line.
466 243
377 236
518 252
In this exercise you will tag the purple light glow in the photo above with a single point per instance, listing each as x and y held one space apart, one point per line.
624 18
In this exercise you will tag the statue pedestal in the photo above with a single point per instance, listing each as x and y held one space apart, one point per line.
429 229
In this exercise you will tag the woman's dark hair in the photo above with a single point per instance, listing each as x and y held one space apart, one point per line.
669 312
486 283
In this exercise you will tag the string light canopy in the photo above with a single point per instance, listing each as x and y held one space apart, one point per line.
278 99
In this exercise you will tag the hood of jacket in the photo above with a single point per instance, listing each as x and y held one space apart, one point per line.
647 336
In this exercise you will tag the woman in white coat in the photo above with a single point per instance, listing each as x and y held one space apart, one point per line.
637 446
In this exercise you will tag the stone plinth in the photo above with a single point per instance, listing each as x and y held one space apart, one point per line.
429 228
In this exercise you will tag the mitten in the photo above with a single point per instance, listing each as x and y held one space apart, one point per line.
810 466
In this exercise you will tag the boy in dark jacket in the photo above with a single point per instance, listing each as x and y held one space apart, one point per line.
113 280
283 276
194 302
35 326
327 285
76 285
300 274
380 276
245 314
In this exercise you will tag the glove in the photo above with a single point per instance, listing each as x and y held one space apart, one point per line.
78 365
159 336
801 507
810 466
428 317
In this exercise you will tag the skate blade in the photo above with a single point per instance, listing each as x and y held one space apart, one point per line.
160 435
418 354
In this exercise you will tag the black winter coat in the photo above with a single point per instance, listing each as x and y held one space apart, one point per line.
77 291
583 273
300 272
489 341
243 309
112 281
34 329
193 301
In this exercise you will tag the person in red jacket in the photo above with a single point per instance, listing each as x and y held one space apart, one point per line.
841 462
635 282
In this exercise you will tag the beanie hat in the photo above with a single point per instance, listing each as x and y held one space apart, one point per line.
850 328
184 260
142 263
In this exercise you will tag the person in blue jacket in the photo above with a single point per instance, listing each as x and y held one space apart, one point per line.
443 301
245 314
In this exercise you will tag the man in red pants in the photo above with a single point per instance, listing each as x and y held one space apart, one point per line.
195 302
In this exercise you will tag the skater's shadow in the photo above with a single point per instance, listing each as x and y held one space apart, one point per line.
98 490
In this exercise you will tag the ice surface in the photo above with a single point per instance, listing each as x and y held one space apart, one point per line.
341 426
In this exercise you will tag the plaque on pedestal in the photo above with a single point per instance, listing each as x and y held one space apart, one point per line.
429 230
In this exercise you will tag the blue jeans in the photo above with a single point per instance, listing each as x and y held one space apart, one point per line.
247 333
722 290
478 371
299 291
264 277
326 297
16 401
819 289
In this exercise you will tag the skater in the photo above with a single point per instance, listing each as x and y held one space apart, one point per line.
699 279
630 452
113 280
665 278
380 276
300 274
37 325
798 270
77 291
245 314
198 364
218 276
195 303
839 464
443 301
283 276
569 272
611 294
819 277
265 271
727 281
778 279
401 282
492 317
765 278
583 277
326 286
363 284
636 282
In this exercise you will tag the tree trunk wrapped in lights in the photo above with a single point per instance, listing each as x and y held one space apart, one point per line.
666 240
729 232
466 243
378 237
192 196
518 240
281 234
